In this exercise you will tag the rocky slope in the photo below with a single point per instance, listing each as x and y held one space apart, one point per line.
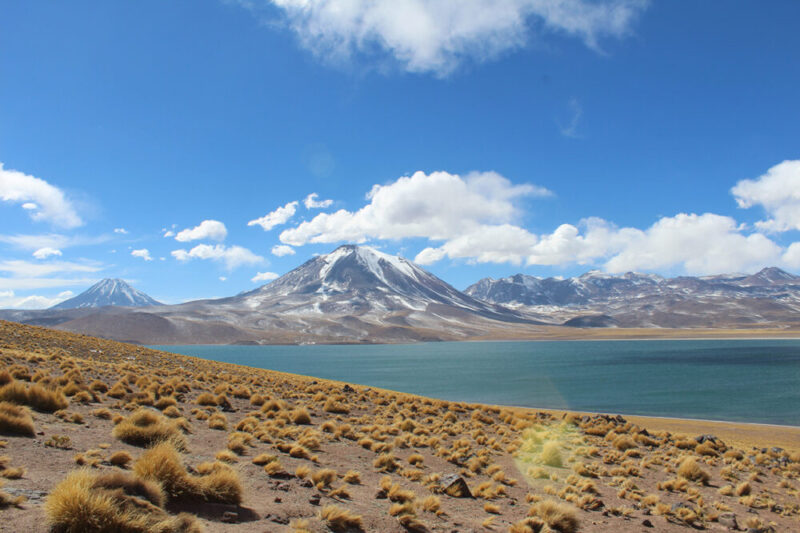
770 296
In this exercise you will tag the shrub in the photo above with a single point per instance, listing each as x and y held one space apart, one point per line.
339 519
324 477
15 420
558 516
120 458
690 470
84 501
162 463
551 454
300 416
145 428
34 396
218 421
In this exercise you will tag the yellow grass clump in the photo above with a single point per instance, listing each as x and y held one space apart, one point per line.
145 427
340 520
162 463
85 501
690 470
34 396
15 420
559 516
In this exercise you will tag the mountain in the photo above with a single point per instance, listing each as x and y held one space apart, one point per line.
353 294
771 296
108 292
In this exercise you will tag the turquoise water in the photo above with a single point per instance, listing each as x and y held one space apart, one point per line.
736 380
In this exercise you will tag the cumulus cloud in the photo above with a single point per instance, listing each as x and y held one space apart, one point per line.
207 229
695 244
437 36
438 206
778 192
231 256
264 276
44 253
121 231
311 202
9 300
280 216
281 249
144 253
43 200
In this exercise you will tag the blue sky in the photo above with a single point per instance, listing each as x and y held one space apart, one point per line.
619 134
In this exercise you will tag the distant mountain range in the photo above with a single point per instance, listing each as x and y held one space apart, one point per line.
771 296
108 292
359 294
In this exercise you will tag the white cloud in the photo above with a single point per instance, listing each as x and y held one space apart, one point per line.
51 240
436 36
9 300
44 253
778 192
264 276
502 243
223 278
311 202
207 229
280 216
231 256
438 206
18 267
121 231
281 249
144 253
44 201
695 244
169 233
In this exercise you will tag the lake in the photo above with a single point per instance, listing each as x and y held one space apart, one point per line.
734 380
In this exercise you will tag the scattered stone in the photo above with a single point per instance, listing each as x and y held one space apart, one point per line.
306 484
229 517
282 520
706 438
380 495
30 494
728 520
647 523
314 499
348 389
277 500
455 486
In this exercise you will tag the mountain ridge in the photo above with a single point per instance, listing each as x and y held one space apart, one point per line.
108 292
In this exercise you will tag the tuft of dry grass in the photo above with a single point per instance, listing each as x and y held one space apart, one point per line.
340 520
145 427
558 516
162 463
35 396
85 501
691 471
551 454
300 416
15 420
120 458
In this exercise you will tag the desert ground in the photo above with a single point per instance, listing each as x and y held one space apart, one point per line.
97 435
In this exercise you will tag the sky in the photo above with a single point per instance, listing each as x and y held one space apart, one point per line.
200 148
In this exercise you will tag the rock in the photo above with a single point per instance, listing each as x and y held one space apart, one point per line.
728 520
278 500
455 486
280 520
306 484
348 389
229 517
776 449
380 495
647 523
703 438
314 499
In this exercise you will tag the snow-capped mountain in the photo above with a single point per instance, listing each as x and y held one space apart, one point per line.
647 300
108 292
353 294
